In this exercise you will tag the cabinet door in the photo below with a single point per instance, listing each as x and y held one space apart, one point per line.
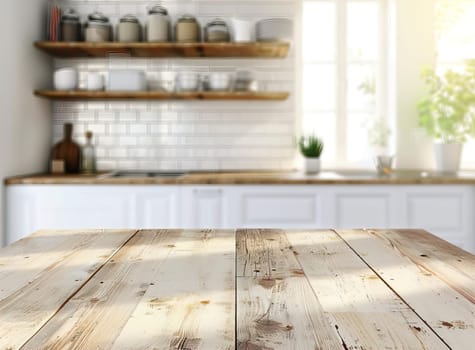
446 211
284 207
33 208
366 207
157 207
204 207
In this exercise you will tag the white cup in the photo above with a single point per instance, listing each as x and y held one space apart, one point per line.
66 79
243 30
95 82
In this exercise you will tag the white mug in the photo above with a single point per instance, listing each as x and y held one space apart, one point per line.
95 82
66 79
243 30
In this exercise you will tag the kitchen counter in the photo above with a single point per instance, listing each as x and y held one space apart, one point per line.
245 289
253 178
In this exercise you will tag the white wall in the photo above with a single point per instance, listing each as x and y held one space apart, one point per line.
25 126
414 48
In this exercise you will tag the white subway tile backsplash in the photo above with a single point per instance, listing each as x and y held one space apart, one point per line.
200 135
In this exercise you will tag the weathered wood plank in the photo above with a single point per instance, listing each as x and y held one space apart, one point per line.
39 273
276 307
367 314
264 254
404 264
167 289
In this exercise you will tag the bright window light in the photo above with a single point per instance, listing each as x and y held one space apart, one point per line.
344 79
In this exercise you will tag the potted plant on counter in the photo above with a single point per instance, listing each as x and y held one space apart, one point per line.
311 148
447 114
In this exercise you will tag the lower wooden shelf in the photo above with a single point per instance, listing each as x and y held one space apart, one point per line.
161 95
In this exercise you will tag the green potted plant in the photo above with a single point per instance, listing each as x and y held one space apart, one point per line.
311 148
447 114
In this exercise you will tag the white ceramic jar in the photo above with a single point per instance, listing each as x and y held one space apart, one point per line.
95 81
66 79
97 28
129 29
158 26
243 30
187 81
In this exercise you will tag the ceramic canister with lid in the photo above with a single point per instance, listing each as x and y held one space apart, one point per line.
129 29
97 28
70 26
187 30
158 24
217 31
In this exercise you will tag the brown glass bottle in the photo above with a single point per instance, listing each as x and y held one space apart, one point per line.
68 151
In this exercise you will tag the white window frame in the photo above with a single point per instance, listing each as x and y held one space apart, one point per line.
341 62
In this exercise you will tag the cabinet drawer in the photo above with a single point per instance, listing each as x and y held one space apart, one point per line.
284 210
436 212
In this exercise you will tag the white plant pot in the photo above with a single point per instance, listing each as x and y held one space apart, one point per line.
312 165
447 157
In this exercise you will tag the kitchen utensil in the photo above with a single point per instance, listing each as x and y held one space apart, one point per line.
97 28
158 27
217 31
384 164
219 81
70 26
245 81
187 30
68 151
66 79
127 80
243 30
95 82
274 29
129 29
187 81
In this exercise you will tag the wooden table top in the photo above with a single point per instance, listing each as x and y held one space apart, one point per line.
244 289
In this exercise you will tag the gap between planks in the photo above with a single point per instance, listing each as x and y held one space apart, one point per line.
391 288
114 253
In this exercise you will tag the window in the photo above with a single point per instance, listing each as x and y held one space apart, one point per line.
344 75
455 39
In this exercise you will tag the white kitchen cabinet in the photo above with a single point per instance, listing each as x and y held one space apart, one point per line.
35 207
445 210
205 207
277 206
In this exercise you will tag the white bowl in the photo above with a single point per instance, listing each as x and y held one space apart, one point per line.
187 81
219 81
66 79
274 29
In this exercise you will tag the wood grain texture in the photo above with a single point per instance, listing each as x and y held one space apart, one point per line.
250 178
40 273
366 313
169 289
405 265
222 50
276 306
161 95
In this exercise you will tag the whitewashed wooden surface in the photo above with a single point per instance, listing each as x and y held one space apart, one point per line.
245 289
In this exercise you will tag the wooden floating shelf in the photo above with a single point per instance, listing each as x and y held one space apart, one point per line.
161 50
160 95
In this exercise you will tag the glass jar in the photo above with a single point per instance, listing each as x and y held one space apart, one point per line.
97 28
129 29
88 156
70 26
187 30
217 31
158 27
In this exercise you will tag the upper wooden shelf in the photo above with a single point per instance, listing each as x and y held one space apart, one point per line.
161 95
216 50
